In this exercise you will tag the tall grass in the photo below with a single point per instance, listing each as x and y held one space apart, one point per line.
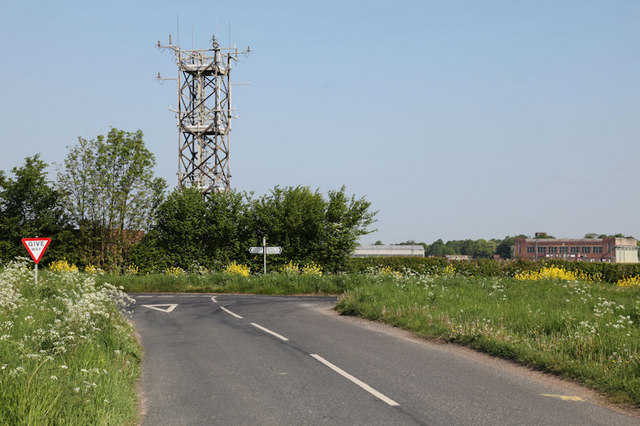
274 284
585 331
67 355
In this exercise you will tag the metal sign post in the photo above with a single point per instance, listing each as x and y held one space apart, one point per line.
264 254
264 250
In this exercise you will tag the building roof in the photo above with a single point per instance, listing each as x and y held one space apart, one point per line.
582 241
564 240
389 250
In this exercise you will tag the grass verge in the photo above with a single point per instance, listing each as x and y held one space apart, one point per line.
274 284
67 355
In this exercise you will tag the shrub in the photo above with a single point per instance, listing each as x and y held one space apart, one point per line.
553 273
234 269
291 268
62 266
65 348
311 269
174 271
91 269
131 270
633 281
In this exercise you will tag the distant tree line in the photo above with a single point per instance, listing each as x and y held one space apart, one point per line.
107 209
480 248
486 248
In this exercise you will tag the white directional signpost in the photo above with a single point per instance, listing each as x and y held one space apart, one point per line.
36 248
264 250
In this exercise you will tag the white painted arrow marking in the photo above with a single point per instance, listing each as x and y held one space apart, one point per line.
165 307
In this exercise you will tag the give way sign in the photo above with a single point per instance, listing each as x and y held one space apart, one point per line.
36 247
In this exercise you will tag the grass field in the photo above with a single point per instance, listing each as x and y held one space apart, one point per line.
67 355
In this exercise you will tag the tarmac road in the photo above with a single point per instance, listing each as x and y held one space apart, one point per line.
239 359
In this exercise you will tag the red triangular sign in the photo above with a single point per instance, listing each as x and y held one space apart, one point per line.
36 247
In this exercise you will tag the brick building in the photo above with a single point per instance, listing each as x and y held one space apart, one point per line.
610 249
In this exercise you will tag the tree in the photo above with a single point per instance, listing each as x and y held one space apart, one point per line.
110 192
181 229
294 218
220 228
439 248
346 219
618 235
483 248
543 236
30 207
228 227
504 248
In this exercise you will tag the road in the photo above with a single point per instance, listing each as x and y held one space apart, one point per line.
240 359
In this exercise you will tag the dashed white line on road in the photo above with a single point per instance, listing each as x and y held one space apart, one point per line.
360 383
273 333
233 314
145 296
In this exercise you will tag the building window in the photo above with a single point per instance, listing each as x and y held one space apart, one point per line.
586 249
531 249
597 249
575 249
563 249
553 249
542 249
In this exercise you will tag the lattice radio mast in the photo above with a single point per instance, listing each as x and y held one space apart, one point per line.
204 115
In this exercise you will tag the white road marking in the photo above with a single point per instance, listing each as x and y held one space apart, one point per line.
213 299
363 385
230 313
167 295
144 296
273 333
167 307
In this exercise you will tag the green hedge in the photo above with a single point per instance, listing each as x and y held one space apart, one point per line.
609 272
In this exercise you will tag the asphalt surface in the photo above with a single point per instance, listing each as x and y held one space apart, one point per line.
237 359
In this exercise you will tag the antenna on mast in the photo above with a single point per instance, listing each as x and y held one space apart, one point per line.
204 115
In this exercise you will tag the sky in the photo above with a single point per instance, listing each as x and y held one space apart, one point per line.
455 119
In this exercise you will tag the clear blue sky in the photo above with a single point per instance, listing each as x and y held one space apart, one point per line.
456 119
